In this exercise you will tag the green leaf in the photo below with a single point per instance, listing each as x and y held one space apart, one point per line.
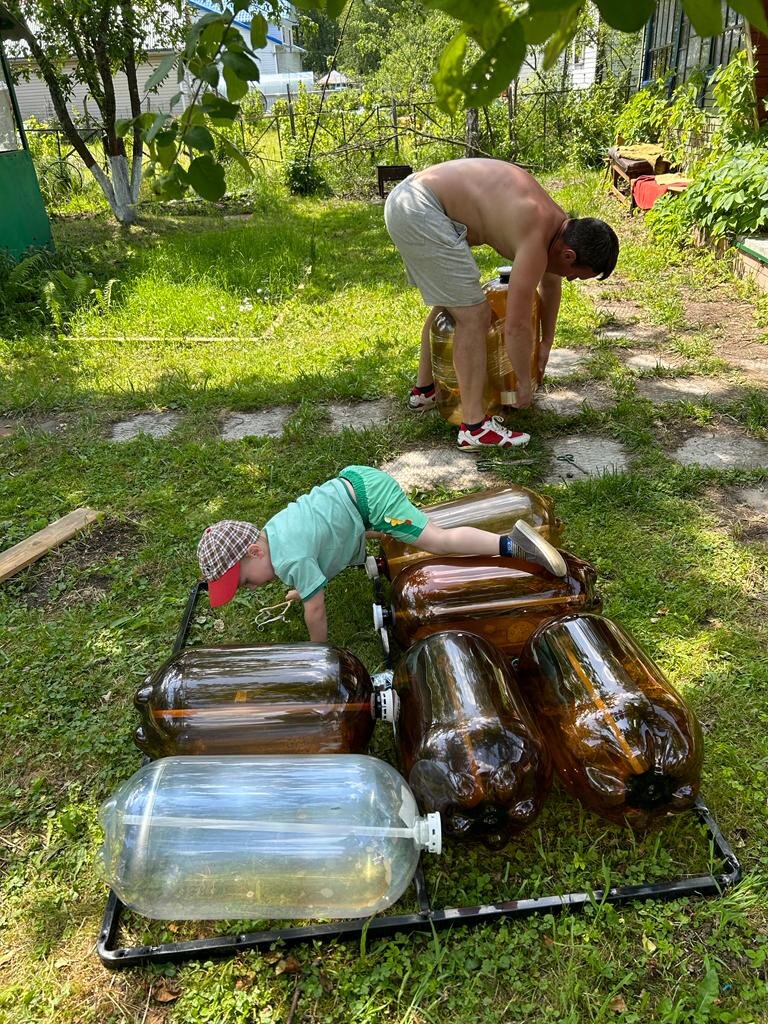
628 17
195 29
236 87
754 11
539 27
241 65
240 5
122 126
176 98
157 123
449 77
334 7
236 154
207 177
218 109
258 31
492 73
706 16
161 72
198 137
172 185
562 37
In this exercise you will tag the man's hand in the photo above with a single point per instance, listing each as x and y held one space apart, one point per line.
314 617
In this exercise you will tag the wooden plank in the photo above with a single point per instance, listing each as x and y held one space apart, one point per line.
27 551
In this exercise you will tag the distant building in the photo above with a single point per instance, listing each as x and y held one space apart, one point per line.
280 57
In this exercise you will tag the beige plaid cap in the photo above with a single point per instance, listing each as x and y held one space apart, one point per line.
223 545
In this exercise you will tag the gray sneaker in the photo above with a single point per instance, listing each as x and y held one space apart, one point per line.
535 548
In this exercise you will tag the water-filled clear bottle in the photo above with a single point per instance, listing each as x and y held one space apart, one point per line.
255 837
496 511
501 599
466 741
264 699
500 383
622 740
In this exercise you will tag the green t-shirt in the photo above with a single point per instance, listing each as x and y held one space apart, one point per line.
315 537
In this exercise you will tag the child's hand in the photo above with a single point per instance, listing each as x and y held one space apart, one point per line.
292 595
374 534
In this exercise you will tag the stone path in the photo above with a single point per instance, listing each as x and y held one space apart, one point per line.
660 379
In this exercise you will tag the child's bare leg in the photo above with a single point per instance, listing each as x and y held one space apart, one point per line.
523 542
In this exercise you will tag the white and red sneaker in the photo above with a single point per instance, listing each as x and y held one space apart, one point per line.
492 434
420 401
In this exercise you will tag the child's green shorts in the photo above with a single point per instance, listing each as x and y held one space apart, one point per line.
382 503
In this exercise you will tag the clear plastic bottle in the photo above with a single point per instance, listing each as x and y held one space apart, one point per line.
467 743
500 383
256 837
501 599
264 699
496 510
622 740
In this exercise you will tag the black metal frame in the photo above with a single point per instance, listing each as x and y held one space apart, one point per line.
114 956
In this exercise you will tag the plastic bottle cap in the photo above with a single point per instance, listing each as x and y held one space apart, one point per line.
378 616
385 705
429 833
504 270
371 567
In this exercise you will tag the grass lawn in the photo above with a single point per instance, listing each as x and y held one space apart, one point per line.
303 303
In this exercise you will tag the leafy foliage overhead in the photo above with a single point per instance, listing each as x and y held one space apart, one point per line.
502 31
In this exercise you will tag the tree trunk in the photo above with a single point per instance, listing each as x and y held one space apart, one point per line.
473 131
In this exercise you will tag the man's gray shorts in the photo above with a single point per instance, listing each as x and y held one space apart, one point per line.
434 248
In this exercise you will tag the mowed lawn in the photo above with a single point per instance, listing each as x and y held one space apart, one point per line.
302 304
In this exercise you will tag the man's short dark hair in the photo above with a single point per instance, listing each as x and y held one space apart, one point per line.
594 242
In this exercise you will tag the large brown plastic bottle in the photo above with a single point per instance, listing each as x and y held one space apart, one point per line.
496 511
622 740
501 383
501 599
467 744
267 699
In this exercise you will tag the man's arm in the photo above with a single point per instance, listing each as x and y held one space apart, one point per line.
314 616
527 271
550 290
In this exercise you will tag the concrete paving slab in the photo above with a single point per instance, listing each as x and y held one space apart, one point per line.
722 449
631 331
578 458
262 423
571 401
755 369
427 469
640 361
565 361
359 415
755 498
156 424
687 389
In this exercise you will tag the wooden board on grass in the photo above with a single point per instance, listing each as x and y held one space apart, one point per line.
27 551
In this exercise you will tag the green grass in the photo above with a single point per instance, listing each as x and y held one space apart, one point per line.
82 627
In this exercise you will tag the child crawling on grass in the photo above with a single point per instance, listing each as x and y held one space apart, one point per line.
315 537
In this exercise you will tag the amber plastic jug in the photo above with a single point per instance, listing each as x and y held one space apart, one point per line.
622 740
266 699
501 599
466 741
500 383
206 838
496 510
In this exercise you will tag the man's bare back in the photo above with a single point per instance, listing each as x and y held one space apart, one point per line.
501 204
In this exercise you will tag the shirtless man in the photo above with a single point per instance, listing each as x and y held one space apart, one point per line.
434 217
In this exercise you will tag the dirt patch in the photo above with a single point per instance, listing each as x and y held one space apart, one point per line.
742 511
81 555
729 323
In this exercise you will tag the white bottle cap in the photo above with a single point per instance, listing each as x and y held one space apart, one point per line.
378 616
371 567
382 680
428 833
503 270
386 705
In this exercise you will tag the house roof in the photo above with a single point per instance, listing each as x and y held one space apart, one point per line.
239 20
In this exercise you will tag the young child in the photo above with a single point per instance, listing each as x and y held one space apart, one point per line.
323 532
